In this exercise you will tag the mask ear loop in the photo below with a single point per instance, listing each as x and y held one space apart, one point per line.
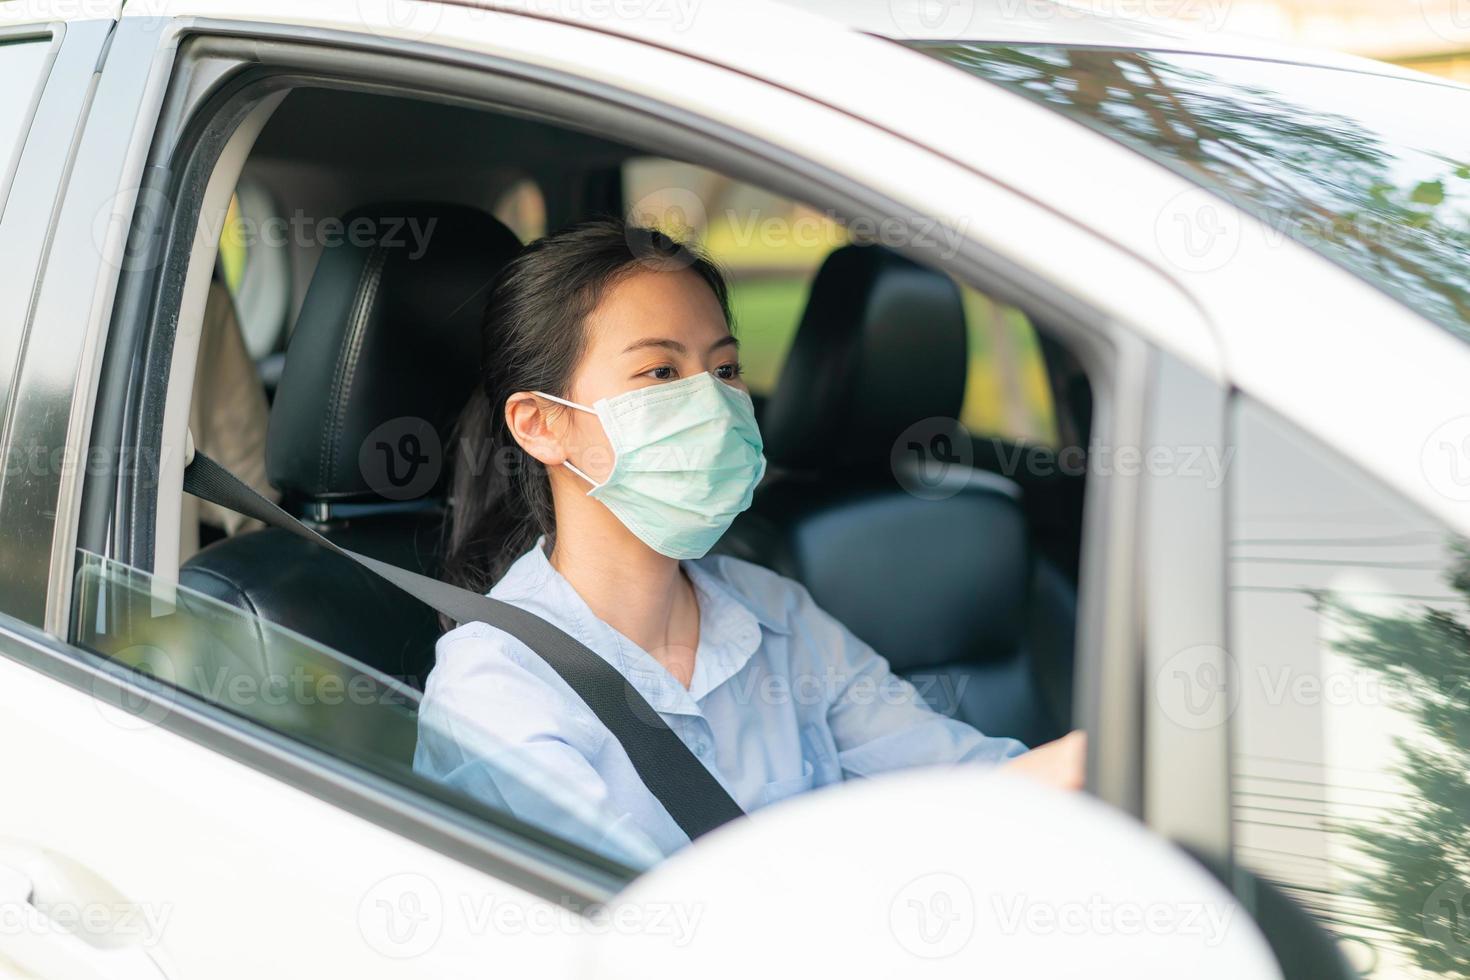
581 408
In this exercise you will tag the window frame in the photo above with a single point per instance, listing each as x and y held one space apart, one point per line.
124 417
1184 781
33 34
27 230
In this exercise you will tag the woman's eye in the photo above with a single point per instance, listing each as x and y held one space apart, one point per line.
663 373
727 372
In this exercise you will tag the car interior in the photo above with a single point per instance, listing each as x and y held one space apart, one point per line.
971 592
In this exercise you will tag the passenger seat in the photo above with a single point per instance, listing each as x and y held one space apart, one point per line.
385 353
948 590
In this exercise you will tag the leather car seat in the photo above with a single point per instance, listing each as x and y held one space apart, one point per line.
940 579
384 355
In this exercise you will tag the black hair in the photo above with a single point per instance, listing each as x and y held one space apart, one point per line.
533 337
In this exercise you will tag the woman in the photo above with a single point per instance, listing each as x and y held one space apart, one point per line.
616 443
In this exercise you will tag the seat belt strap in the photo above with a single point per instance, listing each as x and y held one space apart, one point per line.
688 791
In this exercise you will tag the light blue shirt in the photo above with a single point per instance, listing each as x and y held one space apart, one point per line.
783 699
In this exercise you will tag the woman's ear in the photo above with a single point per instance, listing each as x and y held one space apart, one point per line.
529 420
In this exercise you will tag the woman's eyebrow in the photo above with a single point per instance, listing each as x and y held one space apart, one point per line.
664 342
729 340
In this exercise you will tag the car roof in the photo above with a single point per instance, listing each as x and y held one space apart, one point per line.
1059 23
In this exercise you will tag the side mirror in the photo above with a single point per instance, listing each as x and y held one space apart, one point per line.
935 873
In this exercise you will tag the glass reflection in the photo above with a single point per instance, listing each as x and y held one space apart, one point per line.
1350 633
1368 169
325 699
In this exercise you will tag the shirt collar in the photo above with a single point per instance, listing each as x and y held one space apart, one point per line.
729 628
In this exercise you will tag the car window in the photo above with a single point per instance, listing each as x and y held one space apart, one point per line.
771 248
259 671
1350 638
1358 166
21 66
521 207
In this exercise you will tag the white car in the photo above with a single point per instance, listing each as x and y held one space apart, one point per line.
1161 343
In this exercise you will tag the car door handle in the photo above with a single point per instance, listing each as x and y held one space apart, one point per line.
43 947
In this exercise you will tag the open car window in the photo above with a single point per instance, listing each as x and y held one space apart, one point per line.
771 249
271 676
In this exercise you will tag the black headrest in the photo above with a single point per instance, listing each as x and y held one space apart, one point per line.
881 346
386 349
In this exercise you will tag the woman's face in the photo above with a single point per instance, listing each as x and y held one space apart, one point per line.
651 327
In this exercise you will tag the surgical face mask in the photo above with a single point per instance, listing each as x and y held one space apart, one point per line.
686 459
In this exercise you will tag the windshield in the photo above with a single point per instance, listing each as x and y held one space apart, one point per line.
1369 170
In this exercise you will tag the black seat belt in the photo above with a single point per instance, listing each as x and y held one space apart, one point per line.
672 773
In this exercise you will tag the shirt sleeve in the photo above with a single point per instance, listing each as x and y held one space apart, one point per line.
879 721
492 729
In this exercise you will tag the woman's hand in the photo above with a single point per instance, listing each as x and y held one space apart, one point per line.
1061 763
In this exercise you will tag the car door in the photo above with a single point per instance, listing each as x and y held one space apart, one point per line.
48 62
144 835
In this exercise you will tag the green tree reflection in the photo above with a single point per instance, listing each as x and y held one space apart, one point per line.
1396 215
1420 883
